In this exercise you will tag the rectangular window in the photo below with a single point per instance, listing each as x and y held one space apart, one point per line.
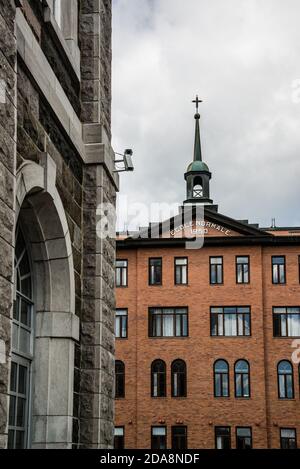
288 439
181 270
243 438
222 437
121 273
216 270
230 321
286 321
155 271
18 404
168 322
278 269
242 269
121 322
119 379
158 438
179 438
119 438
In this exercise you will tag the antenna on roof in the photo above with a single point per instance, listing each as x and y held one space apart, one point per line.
273 225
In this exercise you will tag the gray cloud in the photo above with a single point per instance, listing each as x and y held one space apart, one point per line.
242 57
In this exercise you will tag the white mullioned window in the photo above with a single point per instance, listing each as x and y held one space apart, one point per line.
22 350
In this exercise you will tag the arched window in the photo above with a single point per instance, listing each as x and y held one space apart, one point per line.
242 379
221 378
158 378
198 187
22 348
120 379
285 380
178 372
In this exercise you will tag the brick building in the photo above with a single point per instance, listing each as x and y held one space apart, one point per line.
205 351
56 165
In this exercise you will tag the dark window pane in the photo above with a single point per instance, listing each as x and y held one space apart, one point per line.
119 442
225 386
178 370
243 438
230 321
214 324
12 411
26 287
168 322
119 438
221 379
278 269
155 271
218 391
10 442
20 437
179 438
222 437
21 412
120 379
289 386
13 377
25 313
16 308
121 273
158 379
158 439
276 324
24 265
288 438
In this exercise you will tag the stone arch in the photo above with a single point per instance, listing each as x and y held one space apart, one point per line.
40 211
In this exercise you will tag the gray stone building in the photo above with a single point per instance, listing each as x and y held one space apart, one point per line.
56 274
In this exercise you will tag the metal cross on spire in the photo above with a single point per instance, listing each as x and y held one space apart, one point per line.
197 101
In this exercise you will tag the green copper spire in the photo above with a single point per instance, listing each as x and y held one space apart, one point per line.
197 164
197 144
197 175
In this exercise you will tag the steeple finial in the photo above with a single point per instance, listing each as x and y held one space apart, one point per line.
197 144
197 101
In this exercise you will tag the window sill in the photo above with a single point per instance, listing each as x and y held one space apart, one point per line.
172 337
287 337
231 336
287 399
279 284
57 35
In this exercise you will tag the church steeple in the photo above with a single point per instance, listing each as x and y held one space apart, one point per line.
197 144
197 175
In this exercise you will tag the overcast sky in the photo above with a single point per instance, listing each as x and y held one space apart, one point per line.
243 59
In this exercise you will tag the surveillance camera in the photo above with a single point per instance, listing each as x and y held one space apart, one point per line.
128 162
128 152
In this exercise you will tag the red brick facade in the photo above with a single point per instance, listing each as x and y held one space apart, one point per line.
200 411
